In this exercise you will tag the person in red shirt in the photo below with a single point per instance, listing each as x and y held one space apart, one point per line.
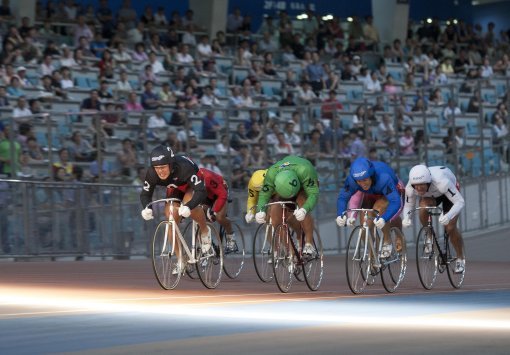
330 105
217 198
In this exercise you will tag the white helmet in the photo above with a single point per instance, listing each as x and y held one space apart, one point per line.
420 174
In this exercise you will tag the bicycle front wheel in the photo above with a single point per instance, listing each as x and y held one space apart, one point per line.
233 255
394 266
456 278
262 256
209 263
283 259
427 257
191 269
313 265
357 260
165 260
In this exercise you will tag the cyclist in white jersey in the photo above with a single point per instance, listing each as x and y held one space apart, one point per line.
437 185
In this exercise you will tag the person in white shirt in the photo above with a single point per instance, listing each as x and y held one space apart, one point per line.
372 84
306 94
67 81
157 67
21 109
183 55
122 57
123 87
451 110
208 98
204 49
67 58
47 66
157 125
486 71
436 185
160 17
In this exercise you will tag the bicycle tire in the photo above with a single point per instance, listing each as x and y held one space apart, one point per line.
233 259
283 258
427 263
163 262
210 264
456 279
261 252
191 269
394 267
313 266
298 271
357 260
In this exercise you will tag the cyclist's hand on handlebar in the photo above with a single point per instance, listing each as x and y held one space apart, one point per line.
211 216
147 214
351 221
444 219
341 220
406 222
260 217
300 214
184 211
379 222
249 217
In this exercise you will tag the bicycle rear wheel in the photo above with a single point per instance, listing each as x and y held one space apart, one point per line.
191 269
298 271
164 259
357 260
456 279
210 263
283 259
233 258
313 265
394 267
427 257
262 257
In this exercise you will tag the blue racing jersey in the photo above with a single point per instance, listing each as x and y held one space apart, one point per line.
384 182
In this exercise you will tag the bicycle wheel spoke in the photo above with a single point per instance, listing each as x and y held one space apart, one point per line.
283 263
314 264
394 267
262 255
456 278
233 257
357 261
165 264
210 263
427 257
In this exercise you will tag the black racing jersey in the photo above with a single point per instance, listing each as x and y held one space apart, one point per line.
183 171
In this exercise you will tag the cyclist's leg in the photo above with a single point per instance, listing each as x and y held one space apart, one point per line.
426 202
455 237
197 214
223 220
174 193
380 205
308 222
276 215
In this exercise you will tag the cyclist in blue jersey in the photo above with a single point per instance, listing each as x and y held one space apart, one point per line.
373 184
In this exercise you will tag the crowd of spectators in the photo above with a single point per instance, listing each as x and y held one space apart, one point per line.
178 77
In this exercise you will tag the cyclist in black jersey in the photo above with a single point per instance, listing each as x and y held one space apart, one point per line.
180 175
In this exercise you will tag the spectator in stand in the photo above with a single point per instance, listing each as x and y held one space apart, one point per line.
330 106
121 57
316 74
223 147
34 150
106 65
132 104
80 149
82 30
282 147
451 110
406 142
156 126
127 158
290 135
21 109
239 137
474 102
372 84
357 148
64 163
14 89
91 103
486 70
183 55
234 21
210 126
47 67
156 65
150 100
104 91
500 137
208 99
305 94
139 55
385 129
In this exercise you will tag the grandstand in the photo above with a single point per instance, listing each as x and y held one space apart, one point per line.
80 76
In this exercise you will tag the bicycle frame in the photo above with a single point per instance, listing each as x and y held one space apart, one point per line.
284 204
365 211
176 231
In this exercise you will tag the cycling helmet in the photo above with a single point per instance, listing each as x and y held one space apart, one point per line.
287 184
257 179
161 155
362 169
420 174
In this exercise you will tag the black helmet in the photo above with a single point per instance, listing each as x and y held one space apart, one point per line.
162 155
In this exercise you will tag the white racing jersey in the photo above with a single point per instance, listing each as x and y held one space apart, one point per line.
444 183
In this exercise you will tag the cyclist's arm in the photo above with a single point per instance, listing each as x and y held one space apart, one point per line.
149 185
251 202
344 196
454 195
410 200
267 190
394 201
197 184
311 187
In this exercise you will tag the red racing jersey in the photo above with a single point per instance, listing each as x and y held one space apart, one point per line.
216 188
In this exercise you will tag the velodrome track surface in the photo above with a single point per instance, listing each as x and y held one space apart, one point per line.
116 307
